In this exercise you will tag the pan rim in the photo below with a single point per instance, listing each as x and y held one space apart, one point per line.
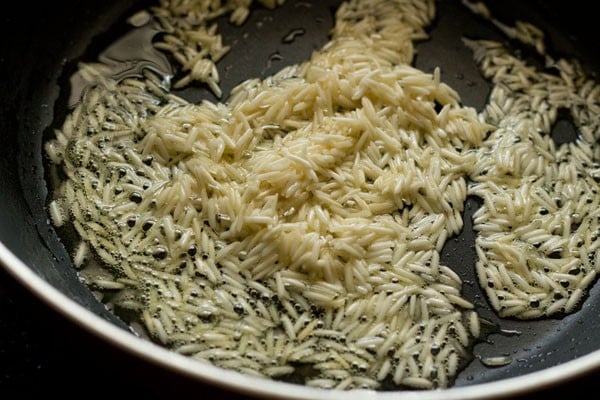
243 384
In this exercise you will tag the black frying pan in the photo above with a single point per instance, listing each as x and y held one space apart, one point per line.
40 47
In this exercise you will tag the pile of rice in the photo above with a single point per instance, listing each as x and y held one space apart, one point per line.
296 229
538 228
190 35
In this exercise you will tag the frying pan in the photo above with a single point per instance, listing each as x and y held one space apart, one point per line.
41 45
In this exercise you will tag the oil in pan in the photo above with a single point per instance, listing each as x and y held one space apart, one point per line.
195 265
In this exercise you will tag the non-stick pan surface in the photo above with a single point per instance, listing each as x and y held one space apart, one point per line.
41 45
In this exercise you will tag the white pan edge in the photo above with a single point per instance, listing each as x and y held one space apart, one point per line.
243 384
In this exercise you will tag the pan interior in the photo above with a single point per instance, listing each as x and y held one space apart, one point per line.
42 69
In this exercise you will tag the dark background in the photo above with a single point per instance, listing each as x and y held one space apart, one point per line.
43 353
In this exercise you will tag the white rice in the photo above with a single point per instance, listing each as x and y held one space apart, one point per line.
536 228
300 223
